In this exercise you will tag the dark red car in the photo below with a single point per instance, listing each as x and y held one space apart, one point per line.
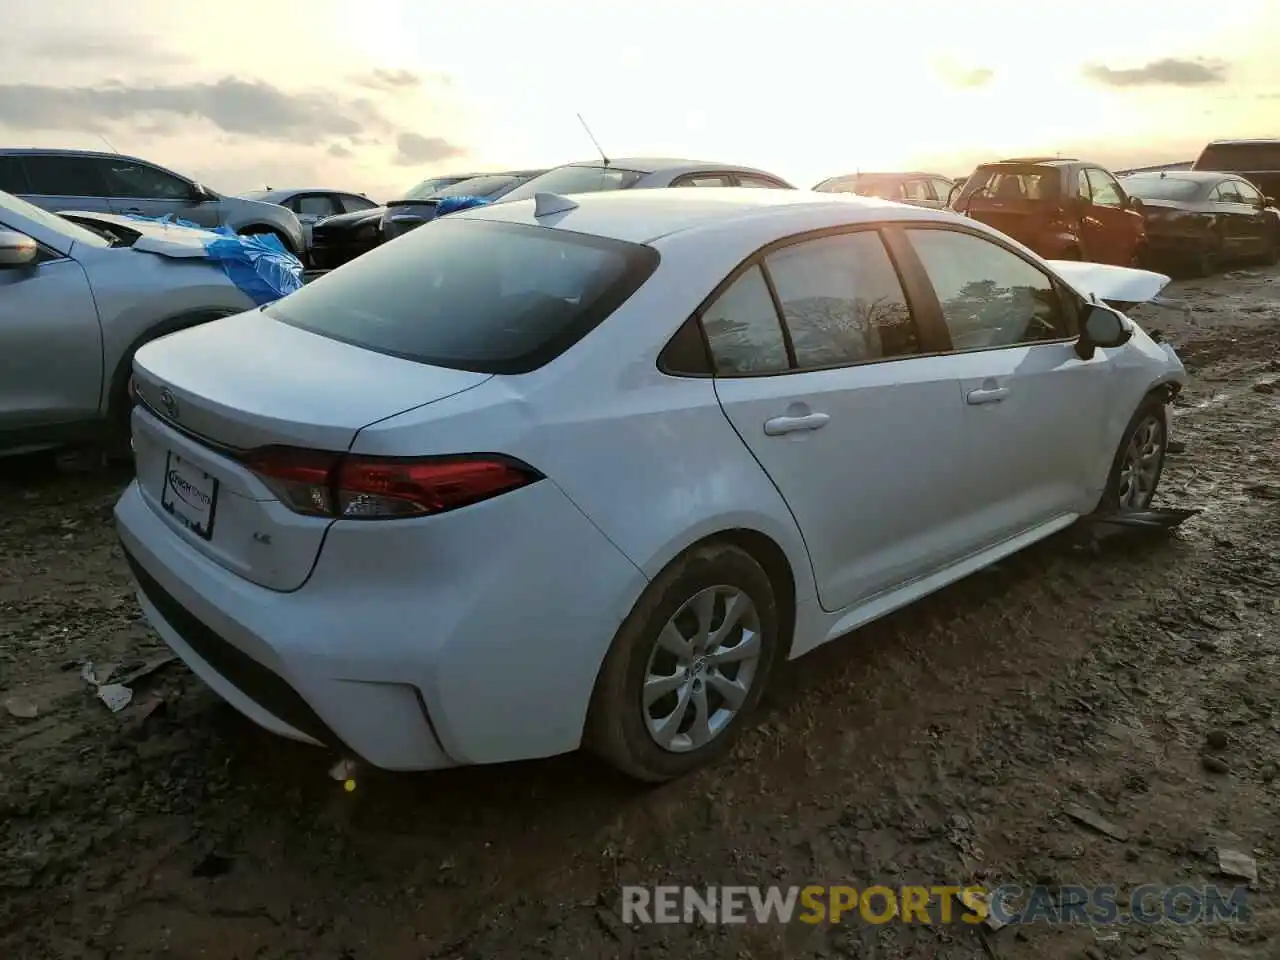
1063 209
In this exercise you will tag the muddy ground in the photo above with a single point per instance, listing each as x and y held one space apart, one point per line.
941 745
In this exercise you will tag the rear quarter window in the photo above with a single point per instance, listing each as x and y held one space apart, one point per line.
473 294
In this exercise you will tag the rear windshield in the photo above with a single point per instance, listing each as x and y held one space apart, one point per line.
473 294
1011 183
886 188
573 179
1163 188
477 187
1237 157
430 186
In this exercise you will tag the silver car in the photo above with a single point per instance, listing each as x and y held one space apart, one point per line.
75 305
629 173
56 180
311 204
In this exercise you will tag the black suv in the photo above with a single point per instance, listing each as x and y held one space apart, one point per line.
1258 161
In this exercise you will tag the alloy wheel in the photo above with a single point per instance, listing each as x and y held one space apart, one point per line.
701 668
1140 467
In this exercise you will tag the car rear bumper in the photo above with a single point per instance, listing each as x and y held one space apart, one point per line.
471 637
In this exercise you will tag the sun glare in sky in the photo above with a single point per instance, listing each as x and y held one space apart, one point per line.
378 94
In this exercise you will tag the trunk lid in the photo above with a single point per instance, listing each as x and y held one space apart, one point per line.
1022 220
209 394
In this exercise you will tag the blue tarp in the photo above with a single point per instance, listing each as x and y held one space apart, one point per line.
454 204
258 264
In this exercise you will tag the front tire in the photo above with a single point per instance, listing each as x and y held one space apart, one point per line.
1139 461
687 667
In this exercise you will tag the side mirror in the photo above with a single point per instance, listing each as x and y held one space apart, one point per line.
1135 204
16 249
200 193
1103 327
1268 201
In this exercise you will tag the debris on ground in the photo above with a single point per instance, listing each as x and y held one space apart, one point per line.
1241 866
1096 821
118 694
21 708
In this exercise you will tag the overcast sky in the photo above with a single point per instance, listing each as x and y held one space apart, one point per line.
377 94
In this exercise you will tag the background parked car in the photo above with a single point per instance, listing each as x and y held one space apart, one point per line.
591 176
344 236
113 183
74 306
339 239
1063 209
312 204
1258 161
1199 220
921 189
414 210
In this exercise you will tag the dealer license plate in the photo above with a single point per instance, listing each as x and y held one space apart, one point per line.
190 495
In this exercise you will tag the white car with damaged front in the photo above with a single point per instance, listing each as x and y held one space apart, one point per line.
580 470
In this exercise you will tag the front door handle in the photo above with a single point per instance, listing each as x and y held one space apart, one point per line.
986 395
781 425
133 210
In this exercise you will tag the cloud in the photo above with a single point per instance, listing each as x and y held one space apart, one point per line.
1168 72
380 79
101 49
241 107
411 148
962 76
339 151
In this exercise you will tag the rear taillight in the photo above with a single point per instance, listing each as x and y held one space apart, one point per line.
354 487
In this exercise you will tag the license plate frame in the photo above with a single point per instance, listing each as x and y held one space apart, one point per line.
186 506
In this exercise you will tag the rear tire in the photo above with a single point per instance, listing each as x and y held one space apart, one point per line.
702 680
1139 460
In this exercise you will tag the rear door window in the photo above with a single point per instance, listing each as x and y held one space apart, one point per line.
703 180
126 179
917 190
63 176
842 301
314 205
473 294
353 203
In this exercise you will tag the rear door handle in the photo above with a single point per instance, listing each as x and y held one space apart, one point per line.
988 395
780 425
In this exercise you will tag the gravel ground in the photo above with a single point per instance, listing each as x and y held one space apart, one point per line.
1137 678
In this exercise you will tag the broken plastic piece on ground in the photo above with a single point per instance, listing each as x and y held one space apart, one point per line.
345 769
22 708
116 696
1154 518
1233 863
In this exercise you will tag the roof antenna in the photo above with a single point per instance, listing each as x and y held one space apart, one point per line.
104 139
593 140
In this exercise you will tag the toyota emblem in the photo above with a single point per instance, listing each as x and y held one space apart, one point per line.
169 403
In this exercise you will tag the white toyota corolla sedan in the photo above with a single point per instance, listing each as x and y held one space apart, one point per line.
580 470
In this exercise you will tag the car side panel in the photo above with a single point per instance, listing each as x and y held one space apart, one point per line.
136 292
50 346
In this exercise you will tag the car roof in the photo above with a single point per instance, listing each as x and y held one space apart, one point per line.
642 216
1201 175
1215 143
292 191
674 165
